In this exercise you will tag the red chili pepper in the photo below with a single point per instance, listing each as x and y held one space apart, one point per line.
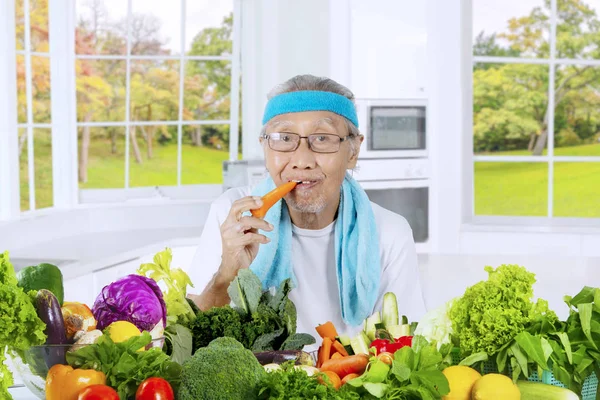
384 345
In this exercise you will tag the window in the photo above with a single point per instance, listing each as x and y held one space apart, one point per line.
536 108
149 89
154 92
33 108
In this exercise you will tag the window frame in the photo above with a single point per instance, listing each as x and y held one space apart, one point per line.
63 125
178 191
474 222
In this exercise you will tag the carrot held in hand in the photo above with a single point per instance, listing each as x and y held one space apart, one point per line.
273 197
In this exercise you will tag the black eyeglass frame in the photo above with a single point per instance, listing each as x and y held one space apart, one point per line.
342 139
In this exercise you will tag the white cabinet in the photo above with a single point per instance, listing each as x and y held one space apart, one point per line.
388 47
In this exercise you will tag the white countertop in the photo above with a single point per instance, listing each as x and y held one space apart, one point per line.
21 393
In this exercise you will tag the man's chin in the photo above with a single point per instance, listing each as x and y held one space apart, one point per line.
307 207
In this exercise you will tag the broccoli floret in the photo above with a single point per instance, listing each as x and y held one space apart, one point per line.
223 370
214 323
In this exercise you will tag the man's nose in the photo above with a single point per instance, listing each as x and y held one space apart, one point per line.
303 157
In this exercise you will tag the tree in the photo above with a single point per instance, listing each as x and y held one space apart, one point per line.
208 83
578 36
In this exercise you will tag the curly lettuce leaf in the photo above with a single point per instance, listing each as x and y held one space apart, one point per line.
492 313
174 283
20 326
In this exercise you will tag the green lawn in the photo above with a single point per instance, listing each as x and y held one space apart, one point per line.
521 189
106 170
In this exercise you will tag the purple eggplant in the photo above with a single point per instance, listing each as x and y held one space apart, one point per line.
48 309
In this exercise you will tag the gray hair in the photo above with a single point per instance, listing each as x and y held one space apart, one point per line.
311 82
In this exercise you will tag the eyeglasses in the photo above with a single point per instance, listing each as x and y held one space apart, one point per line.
317 142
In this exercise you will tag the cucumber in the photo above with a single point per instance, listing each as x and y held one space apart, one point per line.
397 331
389 310
360 344
370 325
542 391
48 309
344 340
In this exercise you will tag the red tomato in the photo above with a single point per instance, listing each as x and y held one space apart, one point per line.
154 389
98 392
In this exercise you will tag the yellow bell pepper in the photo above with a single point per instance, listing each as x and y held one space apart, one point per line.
64 383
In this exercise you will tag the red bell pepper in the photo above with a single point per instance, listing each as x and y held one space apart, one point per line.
384 345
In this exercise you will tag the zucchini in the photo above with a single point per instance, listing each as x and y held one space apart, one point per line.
360 344
389 310
370 325
542 391
279 357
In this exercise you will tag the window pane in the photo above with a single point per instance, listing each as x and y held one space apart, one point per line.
23 170
38 20
20 24
101 157
208 27
154 90
577 115
156 27
204 148
511 188
43 168
509 108
578 29
207 90
576 189
153 155
101 27
100 90
21 91
40 68
511 28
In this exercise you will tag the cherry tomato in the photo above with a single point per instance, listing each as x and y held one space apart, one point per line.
154 389
98 392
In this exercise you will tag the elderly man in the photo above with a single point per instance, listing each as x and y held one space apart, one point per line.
342 252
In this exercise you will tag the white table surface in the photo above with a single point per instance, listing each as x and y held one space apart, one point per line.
22 393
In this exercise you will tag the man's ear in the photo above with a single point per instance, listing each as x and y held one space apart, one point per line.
355 150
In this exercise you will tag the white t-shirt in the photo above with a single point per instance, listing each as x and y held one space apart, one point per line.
316 297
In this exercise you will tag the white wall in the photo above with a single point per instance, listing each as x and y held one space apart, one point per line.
280 39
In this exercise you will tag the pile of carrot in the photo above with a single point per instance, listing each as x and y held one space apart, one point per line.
333 359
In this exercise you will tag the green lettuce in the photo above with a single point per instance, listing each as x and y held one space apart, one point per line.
494 312
20 326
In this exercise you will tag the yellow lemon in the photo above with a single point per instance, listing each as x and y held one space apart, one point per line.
120 331
461 380
495 387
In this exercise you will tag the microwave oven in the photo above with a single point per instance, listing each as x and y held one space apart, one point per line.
393 128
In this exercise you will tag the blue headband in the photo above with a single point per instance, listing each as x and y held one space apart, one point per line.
309 100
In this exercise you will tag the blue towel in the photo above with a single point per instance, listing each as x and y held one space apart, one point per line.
356 250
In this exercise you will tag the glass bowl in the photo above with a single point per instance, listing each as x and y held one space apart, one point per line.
33 364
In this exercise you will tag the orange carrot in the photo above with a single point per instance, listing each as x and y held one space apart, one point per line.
273 197
334 379
340 348
326 351
347 365
319 357
327 330
336 355
349 377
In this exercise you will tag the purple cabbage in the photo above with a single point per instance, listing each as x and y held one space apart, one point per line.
133 298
